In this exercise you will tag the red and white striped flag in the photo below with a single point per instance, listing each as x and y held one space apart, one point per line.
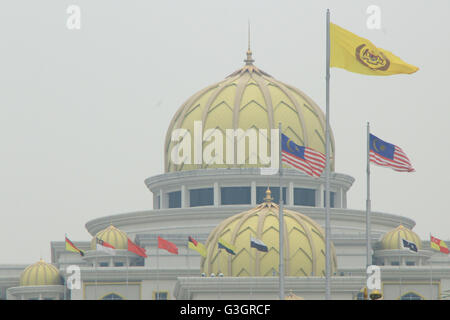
304 159
388 155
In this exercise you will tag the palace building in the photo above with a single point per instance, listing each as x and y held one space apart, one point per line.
234 201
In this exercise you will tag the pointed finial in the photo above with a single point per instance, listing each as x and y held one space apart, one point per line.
249 60
248 34
268 197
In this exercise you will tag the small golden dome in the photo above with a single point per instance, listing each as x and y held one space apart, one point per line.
292 296
391 240
304 244
115 237
40 273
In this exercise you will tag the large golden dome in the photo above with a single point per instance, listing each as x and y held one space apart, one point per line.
249 98
115 237
391 240
304 244
40 273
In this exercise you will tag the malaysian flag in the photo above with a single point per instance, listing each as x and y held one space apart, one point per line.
301 158
388 155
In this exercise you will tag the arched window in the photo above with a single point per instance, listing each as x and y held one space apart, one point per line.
112 296
411 296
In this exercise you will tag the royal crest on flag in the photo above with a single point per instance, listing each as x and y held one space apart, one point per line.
359 55
385 154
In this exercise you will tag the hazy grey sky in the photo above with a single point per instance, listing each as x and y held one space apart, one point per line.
84 113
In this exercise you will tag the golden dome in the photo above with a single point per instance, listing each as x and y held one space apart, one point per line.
391 240
248 98
304 244
40 273
115 237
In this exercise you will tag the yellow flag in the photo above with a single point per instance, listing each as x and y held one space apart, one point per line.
356 54
197 246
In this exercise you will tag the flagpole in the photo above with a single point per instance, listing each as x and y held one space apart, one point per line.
251 258
187 256
96 262
431 276
65 279
128 262
281 223
368 203
157 274
327 167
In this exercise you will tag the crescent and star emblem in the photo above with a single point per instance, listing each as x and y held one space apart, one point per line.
374 143
289 146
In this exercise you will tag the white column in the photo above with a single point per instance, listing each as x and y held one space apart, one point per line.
319 197
253 194
290 198
344 199
184 203
216 194
338 199
162 202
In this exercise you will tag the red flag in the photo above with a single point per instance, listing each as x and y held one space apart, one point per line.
136 249
167 245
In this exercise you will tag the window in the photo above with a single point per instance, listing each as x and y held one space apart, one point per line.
411 296
332 196
410 263
235 195
112 296
201 197
139 262
304 197
175 199
103 264
118 264
261 194
395 263
161 295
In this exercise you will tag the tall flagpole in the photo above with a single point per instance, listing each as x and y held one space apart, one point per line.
128 263
281 223
368 203
327 167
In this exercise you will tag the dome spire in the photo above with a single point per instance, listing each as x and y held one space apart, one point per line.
268 198
249 60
